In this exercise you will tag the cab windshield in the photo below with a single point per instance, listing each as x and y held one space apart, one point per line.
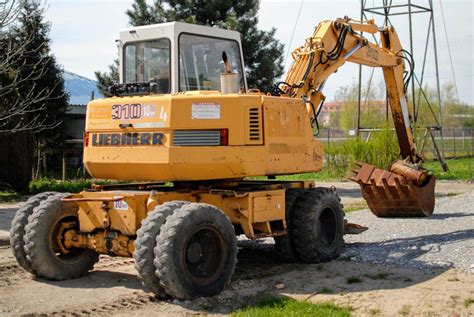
200 62
148 61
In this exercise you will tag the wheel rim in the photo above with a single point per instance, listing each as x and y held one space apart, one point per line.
56 239
205 254
327 227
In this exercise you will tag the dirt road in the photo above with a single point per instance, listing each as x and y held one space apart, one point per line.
112 287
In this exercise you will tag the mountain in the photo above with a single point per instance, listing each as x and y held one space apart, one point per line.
80 88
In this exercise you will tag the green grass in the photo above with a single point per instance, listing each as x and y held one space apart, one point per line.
290 307
459 169
355 206
324 175
9 196
468 302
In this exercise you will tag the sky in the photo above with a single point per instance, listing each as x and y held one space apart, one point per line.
83 35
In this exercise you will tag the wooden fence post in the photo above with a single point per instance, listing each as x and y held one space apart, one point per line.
64 166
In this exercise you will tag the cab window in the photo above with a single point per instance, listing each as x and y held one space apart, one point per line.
200 61
148 61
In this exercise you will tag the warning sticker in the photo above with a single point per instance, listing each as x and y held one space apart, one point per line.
206 110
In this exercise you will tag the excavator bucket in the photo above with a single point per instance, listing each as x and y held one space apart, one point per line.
404 191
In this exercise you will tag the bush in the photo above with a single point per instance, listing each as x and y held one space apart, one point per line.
46 184
380 150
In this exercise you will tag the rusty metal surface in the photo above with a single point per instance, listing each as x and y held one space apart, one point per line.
353 228
389 194
418 175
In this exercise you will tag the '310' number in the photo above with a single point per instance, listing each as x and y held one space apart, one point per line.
128 111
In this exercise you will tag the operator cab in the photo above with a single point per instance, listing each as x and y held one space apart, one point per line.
177 57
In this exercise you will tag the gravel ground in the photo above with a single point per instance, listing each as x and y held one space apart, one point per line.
444 240
414 267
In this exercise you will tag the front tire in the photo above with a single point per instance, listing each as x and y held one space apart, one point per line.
17 229
43 238
196 252
146 242
318 226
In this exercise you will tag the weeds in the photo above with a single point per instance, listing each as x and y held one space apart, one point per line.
454 298
405 311
452 194
291 307
468 302
326 290
341 158
354 280
375 312
356 206
379 276
345 258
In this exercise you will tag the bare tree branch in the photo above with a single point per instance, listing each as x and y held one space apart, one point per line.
9 10
25 112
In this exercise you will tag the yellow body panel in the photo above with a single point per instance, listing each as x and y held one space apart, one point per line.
116 215
281 141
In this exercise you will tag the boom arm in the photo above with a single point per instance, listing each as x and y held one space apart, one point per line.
332 44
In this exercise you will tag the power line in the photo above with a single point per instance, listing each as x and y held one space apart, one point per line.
293 34
449 50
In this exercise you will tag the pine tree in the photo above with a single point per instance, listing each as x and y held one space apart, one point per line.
263 54
107 79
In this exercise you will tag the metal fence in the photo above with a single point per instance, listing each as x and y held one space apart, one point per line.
458 142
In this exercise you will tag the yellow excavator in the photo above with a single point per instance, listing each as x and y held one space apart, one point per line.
184 127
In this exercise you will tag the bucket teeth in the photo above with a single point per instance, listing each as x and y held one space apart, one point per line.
389 194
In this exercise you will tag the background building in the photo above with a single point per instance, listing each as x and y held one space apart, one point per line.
81 90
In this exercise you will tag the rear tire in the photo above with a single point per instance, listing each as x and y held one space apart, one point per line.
17 229
41 243
146 242
196 252
284 246
318 226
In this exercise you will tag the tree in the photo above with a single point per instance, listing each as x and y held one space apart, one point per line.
263 54
107 79
33 102
372 107
20 112
49 81
347 97
456 114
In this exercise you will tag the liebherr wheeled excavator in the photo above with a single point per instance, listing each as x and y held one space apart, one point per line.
183 126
